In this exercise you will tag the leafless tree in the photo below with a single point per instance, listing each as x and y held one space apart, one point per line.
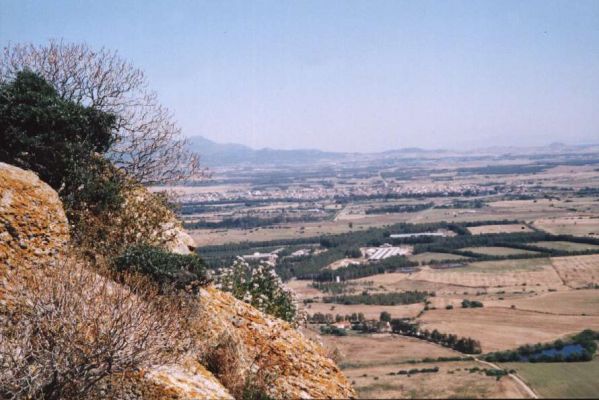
70 328
149 144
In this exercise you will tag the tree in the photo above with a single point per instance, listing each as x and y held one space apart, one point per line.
385 316
149 146
60 140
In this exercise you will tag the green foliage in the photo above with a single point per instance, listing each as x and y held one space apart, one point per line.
385 316
163 267
399 208
332 330
471 303
533 353
384 299
353 253
462 344
415 371
58 139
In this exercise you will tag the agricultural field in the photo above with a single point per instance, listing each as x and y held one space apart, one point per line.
497 251
566 246
373 350
503 226
563 302
507 228
453 380
425 258
578 271
560 380
499 328
576 226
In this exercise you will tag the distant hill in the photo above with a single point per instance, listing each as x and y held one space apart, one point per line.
215 154
222 154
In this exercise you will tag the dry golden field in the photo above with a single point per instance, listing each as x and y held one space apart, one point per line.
578 271
369 350
567 302
566 246
500 328
508 228
577 226
425 258
452 381
497 251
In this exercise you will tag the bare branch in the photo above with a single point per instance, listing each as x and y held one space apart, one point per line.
150 147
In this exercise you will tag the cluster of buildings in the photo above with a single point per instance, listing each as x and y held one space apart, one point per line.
385 251
318 192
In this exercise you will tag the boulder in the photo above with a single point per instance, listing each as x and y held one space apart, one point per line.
33 225
291 365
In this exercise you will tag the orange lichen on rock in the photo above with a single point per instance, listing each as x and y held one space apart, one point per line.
33 235
188 381
33 226
297 366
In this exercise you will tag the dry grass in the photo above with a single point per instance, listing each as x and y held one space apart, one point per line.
569 302
566 246
504 328
490 274
577 226
362 350
375 382
578 271
508 228
560 380
429 256
68 329
497 250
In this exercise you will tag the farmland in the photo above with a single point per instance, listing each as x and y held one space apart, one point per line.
506 257
560 380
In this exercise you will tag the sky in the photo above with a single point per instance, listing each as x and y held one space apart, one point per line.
349 75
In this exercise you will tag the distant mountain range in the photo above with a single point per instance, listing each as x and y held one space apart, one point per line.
222 154
215 154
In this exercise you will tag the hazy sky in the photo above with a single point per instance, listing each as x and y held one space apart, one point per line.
348 75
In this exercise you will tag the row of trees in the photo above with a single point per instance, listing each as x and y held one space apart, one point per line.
462 344
384 299
580 347
399 208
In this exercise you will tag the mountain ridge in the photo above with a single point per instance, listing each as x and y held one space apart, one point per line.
224 154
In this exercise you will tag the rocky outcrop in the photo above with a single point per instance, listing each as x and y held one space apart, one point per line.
33 234
33 226
188 381
291 365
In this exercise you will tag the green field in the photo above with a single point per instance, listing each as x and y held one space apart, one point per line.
530 264
560 380
566 246
429 256
497 251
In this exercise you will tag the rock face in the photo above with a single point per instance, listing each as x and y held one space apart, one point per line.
33 233
295 367
33 226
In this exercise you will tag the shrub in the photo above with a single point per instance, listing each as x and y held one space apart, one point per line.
72 328
471 304
259 286
58 139
165 268
385 316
